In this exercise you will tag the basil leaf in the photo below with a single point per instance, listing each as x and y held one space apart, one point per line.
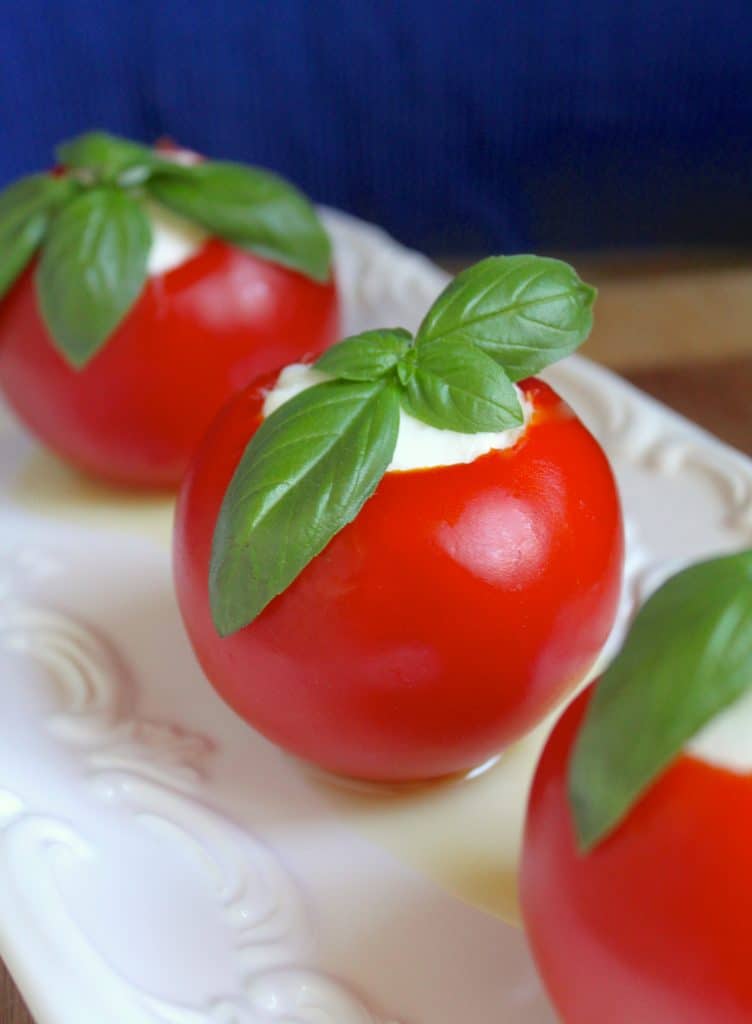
524 311
25 211
252 209
366 356
108 157
455 386
406 366
305 474
92 269
687 657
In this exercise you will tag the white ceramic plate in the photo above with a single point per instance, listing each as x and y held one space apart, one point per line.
159 862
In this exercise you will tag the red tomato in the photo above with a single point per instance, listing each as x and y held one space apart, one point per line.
457 608
655 924
196 335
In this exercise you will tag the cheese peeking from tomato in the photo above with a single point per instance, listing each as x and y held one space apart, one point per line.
419 445
174 239
726 741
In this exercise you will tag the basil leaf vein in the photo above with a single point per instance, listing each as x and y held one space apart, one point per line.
453 385
366 356
307 471
525 311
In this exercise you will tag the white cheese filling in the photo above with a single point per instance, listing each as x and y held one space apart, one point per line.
727 741
174 239
419 446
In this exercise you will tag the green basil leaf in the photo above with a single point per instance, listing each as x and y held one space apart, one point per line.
687 657
366 356
526 312
108 157
252 209
25 211
406 366
92 269
455 386
305 474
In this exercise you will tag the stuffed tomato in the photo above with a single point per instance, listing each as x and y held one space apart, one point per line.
394 563
635 874
139 291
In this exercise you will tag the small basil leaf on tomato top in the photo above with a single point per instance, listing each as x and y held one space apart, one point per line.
455 386
25 211
250 208
405 368
107 157
366 356
92 270
306 473
687 657
526 312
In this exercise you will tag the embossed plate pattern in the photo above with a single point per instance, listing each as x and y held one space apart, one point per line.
159 862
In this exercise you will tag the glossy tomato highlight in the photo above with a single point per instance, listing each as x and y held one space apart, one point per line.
441 624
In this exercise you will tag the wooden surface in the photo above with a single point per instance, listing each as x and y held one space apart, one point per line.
717 395
12 1009
669 311
678 327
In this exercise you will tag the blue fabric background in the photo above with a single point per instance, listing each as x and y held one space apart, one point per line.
458 126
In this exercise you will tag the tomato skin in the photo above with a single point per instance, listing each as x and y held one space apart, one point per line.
196 335
655 924
457 608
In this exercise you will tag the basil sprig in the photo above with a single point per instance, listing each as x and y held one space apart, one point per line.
103 176
315 461
105 158
454 385
367 356
687 657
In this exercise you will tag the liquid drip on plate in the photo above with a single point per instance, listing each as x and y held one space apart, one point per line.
465 832
47 486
